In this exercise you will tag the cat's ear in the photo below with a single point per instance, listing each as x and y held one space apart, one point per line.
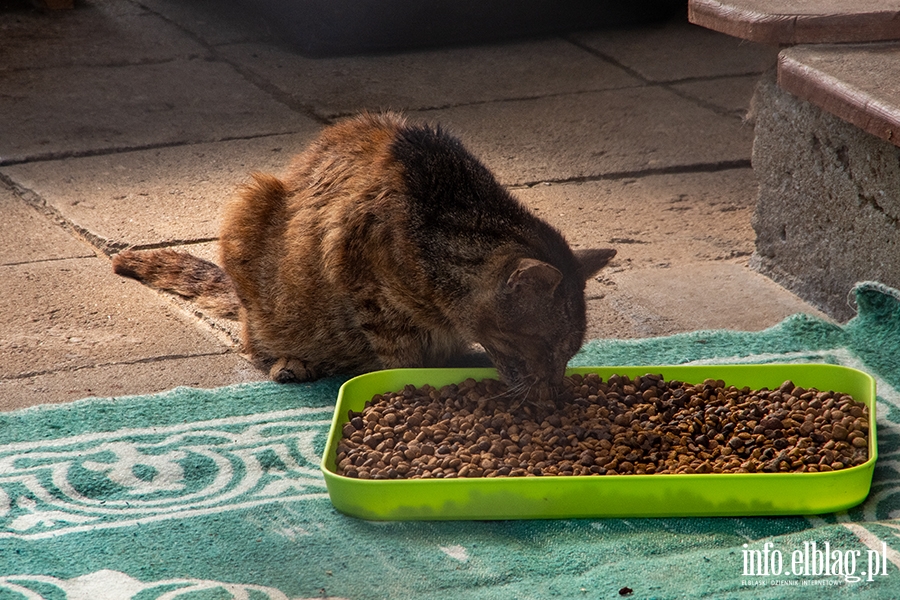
534 275
591 261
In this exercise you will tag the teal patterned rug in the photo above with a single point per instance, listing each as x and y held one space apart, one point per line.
216 494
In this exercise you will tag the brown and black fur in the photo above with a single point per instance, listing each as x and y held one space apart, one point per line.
388 245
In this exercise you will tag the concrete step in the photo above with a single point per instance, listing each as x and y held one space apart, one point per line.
826 156
781 22
857 83
825 142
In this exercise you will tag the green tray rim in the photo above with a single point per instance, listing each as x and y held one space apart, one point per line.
394 493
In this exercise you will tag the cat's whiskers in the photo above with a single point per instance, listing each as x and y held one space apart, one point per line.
518 390
523 392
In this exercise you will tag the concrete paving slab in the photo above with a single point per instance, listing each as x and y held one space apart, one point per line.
208 371
26 235
683 248
677 50
69 111
688 297
654 221
430 78
165 195
100 32
731 95
74 313
636 156
212 21
595 133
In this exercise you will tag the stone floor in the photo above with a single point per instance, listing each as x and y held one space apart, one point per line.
129 122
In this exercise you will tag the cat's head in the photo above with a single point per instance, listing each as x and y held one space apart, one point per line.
536 321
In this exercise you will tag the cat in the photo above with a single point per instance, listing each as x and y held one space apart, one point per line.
388 245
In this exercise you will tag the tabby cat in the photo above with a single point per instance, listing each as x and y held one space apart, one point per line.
388 245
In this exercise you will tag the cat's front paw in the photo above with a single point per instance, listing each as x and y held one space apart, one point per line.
292 370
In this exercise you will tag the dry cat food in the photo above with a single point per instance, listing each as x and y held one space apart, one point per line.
620 426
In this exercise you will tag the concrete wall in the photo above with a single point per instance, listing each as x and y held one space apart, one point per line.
829 201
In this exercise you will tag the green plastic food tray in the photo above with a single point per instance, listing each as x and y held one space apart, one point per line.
550 497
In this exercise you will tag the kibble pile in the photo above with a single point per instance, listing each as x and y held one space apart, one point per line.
620 426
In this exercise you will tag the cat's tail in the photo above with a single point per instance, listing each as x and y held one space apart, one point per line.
184 274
